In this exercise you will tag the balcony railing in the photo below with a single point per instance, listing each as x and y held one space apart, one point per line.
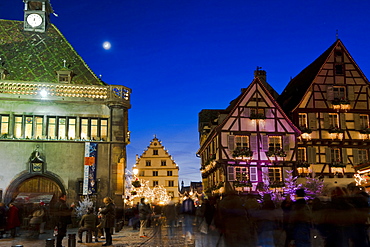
58 90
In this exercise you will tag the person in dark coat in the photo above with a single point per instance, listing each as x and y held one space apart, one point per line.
88 222
2 219
109 216
286 206
144 213
170 212
62 213
301 219
13 220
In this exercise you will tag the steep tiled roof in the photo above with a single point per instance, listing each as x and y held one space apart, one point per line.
297 87
34 56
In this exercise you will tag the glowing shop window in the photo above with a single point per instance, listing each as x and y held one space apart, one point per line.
39 125
84 128
18 127
94 128
72 128
4 125
51 127
62 128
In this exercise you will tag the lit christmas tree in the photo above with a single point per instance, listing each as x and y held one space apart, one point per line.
290 183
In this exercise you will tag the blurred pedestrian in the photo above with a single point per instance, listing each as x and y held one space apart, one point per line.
233 221
301 220
2 219
109 216
286 206
13 220
36 219
188 211
170 212
144 213
62 212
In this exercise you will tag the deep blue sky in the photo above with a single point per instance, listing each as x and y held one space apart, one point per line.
182 56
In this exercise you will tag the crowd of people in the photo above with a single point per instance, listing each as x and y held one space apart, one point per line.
339 219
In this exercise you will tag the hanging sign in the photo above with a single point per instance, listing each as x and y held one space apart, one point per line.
89 183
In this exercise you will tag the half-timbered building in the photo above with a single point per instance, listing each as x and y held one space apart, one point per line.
329 102
251 143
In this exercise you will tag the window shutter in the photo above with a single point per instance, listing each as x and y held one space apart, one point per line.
329 93
356 159
231 142
342 121
253 143
312 121
253 176
264 143
356 119
286 142
311 155
247 112
265 174
328 155
230 173
344 156
351 93
326 121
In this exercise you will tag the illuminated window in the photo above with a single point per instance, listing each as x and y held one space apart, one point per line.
71 128
155 183
274 143
333 120
94 128
171 183
302 119
148 163
4 125
84 128
364 121
241 174
155 173
241 142
103 129
169 173
52 127
39 126
362 155
163 163
275 174
28 127
18 126
62 128
301 154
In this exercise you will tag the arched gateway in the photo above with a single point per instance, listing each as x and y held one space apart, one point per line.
34 184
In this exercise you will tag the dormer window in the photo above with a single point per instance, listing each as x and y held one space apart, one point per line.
64 76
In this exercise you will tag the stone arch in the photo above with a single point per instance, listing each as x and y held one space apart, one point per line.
39 180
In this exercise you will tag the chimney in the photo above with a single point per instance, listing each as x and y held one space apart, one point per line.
260 74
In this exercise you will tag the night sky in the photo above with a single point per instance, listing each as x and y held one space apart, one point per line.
182 56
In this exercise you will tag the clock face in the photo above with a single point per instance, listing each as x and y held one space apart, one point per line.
34 20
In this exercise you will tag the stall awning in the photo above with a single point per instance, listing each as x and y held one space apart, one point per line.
25 198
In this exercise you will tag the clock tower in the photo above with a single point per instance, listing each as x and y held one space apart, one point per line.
36 15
